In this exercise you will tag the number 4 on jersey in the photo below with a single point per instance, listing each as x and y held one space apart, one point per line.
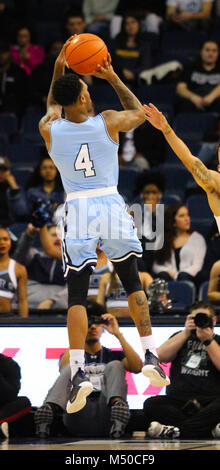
83 161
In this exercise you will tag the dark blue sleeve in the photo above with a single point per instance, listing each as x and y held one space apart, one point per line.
17 202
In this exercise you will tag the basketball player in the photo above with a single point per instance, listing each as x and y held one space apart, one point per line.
85 151
209 180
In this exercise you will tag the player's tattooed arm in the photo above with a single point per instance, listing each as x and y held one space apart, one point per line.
127 98
201 174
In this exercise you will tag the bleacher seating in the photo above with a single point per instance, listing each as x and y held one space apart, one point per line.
31 120
22 175
180 45
198 206
203 291
8 123
182 293
201 225
24 152
3 144
126 183
176 176
195 126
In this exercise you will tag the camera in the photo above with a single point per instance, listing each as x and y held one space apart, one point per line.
202 320
42 214
96 320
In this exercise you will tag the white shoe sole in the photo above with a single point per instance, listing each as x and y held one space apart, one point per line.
155 378
80 401
4 429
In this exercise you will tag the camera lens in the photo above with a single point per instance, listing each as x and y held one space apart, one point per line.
202 320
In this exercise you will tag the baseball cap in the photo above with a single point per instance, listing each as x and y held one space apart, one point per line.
4 162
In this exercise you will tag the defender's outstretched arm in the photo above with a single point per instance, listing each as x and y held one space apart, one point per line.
204 177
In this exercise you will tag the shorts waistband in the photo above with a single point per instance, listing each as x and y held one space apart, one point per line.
92 193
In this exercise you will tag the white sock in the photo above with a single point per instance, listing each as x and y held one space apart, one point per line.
77 360
148 342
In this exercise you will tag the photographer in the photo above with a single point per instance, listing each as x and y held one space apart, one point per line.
45 273
106 411
44 184
191 407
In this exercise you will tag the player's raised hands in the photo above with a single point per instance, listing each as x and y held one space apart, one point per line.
154 116
106 71
61 58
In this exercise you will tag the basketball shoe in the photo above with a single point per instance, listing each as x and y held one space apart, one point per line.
162 431
154 371
216 431
80 389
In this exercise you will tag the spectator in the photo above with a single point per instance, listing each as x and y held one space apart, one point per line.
98 14
41 75
13 409
106 411
149 190
198 87
74 24
213 289
184 14
149 11
7 184
25 54
130 52
111 293
191 407
45 273
183 252
13 278
14 84
45 184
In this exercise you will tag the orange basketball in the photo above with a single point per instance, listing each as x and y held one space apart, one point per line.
85 52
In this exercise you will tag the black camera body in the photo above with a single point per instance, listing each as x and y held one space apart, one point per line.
202 320
96 320
42 214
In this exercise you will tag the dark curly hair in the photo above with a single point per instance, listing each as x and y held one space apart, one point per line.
67 89
150 177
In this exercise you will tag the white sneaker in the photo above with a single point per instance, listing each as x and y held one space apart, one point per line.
161 431
4 429
216 431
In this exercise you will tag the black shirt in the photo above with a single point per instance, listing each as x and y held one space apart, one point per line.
192 373
10 377
104 356
199 80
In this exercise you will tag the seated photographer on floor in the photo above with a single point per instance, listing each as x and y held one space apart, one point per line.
14 409
106 412
191 407
45 273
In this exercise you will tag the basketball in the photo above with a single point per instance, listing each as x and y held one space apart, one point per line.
85 52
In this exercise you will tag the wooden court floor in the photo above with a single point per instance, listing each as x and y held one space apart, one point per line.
107 444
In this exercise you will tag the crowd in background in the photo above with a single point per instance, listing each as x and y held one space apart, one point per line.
29 182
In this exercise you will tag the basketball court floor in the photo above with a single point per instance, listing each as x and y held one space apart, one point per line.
133 444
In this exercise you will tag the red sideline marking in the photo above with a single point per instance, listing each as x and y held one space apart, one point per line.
18 415
54 353
10 352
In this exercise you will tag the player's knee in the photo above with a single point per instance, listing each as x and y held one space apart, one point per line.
128 273
78 285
